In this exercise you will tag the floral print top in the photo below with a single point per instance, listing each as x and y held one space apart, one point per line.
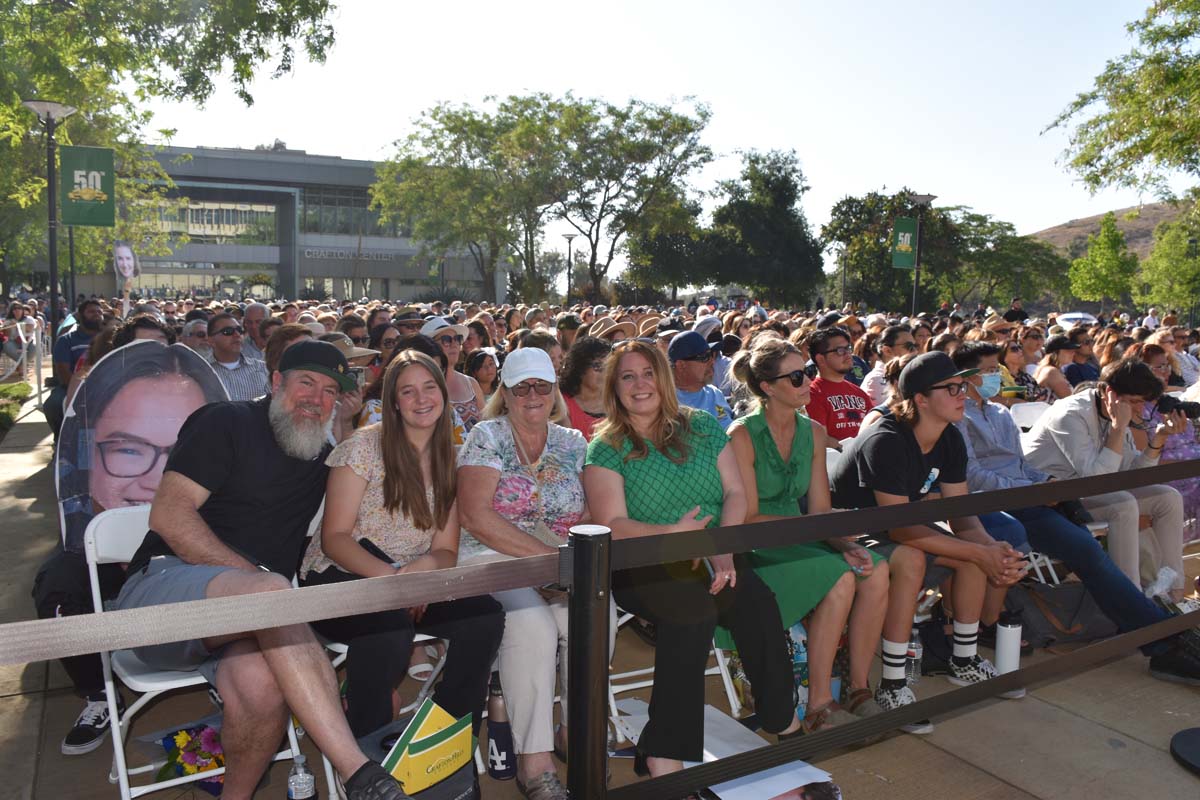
392 532
555 496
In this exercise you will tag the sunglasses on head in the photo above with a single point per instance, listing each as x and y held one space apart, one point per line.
230 331
541 387
796 376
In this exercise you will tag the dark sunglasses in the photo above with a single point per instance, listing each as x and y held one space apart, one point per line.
841 351
1013 348
360 339
448 340
797 377
703 358
230 331
389 342
201 334
909 346
523 389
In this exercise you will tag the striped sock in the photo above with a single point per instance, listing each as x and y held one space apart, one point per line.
895 657
966 640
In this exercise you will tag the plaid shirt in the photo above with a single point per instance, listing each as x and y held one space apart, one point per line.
247 381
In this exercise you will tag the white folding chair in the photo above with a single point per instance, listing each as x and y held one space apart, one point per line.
633 680
1027 414
832 457
112 537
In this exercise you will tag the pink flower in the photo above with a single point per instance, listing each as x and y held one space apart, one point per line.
188 757
210 740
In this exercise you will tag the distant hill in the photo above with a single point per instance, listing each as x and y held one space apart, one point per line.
1070 238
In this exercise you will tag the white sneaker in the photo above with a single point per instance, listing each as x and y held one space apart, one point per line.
89 731
891 699
977 670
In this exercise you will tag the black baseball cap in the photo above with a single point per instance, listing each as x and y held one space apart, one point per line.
569 322
929 369
1060 342
319 357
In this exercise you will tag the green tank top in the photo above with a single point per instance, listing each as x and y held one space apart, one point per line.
780 484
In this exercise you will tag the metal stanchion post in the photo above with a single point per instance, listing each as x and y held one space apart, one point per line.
589 547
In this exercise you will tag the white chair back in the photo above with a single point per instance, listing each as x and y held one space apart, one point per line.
1026 414
114 536
831 459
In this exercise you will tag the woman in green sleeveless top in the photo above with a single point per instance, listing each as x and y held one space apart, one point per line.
781 457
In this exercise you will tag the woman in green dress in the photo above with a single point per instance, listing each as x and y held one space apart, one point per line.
781 456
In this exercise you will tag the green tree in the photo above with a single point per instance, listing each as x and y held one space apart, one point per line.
1138 122
1170 275
768 245
995 263
624 169
679 253
479 179
863 226
1107 271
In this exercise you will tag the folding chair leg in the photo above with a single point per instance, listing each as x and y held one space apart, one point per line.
735 705
116 729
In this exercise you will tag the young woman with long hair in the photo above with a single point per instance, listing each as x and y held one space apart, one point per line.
389 509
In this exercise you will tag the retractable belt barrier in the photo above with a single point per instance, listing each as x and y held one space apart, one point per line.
41 640
585 565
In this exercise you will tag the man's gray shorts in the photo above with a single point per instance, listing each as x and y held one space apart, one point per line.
935 574
167 579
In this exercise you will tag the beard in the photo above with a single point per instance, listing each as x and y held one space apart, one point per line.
92 325
299 438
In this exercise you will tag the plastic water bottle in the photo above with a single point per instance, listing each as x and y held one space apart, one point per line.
302 784
912 666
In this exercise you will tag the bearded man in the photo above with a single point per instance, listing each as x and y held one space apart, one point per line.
68 349
230 518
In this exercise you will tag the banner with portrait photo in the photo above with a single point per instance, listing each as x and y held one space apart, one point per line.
125 266
120 428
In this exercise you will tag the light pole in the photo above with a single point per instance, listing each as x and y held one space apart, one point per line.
1191 252
50 113
921 201
842 258
569 237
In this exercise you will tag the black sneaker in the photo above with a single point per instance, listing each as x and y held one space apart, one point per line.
90 729
373 782
1177 665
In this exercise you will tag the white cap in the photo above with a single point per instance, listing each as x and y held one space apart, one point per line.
705 324
437 325
526 363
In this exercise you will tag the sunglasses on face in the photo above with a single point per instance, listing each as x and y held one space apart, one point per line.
360 339
703 358
230 331
909 346
1036 336
449 339
797 377
389 343
952 389
541 387
201 334
840 351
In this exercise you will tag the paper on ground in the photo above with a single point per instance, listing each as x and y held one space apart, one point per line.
723 737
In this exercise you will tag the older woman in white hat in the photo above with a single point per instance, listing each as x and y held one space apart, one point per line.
519 493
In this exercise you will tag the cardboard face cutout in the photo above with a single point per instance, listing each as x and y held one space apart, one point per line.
121 426
125 266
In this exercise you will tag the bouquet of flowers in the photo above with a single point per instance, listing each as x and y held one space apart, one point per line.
191 751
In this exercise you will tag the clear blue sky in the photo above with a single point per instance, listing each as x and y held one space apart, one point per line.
948 98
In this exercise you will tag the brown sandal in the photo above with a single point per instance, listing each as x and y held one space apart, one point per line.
824 718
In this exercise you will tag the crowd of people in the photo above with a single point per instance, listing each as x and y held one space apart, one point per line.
452 433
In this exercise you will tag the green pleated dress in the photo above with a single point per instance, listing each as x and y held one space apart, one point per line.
800 575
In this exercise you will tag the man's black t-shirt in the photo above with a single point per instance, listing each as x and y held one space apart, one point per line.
886 457
261 500
1015 315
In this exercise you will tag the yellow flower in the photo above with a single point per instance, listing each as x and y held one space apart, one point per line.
189 769
181 739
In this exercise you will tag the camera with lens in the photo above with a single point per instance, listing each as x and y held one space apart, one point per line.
1168 404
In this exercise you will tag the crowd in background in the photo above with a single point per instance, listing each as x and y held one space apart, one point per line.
450 433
